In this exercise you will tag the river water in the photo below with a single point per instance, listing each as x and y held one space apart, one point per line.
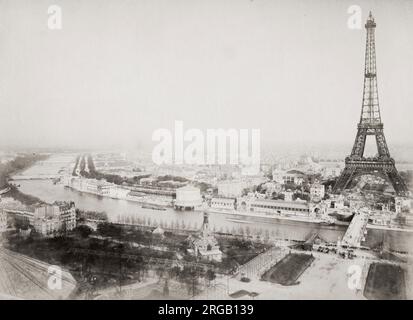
49 192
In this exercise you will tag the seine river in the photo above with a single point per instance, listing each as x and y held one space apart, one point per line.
49 192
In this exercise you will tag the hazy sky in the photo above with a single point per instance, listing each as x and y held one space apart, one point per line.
119 69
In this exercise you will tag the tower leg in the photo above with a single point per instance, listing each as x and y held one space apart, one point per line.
385 169
397 181
344 179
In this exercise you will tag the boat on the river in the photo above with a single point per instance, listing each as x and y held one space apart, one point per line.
272 217
153 207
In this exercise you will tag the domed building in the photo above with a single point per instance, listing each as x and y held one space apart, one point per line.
188 197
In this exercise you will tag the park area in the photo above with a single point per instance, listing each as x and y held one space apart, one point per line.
385 282
287 271
129 256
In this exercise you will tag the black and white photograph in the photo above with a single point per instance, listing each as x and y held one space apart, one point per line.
189 150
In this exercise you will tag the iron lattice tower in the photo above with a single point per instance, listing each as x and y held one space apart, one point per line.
370 124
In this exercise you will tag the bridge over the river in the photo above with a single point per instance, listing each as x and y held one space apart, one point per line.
36 177
357 229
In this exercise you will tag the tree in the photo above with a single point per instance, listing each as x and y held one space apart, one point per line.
108 229
21 224
210 276
183 227
166 289
267 235
174 272
84 231
159 272
241 231
233 231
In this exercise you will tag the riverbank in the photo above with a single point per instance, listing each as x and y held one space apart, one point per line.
4 190
272 217
25 199
119 210
19 164
117 193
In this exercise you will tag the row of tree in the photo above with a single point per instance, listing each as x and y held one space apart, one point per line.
19 163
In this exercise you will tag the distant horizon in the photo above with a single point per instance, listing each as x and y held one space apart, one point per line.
116 72
401 153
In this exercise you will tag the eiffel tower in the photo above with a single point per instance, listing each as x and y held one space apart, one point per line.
370 124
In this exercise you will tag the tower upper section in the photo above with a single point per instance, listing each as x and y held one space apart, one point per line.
370 112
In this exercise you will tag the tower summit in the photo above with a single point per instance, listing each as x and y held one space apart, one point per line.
370 124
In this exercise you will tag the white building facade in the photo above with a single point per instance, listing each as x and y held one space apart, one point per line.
277 207
188 197
48 220
317 191
223 203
